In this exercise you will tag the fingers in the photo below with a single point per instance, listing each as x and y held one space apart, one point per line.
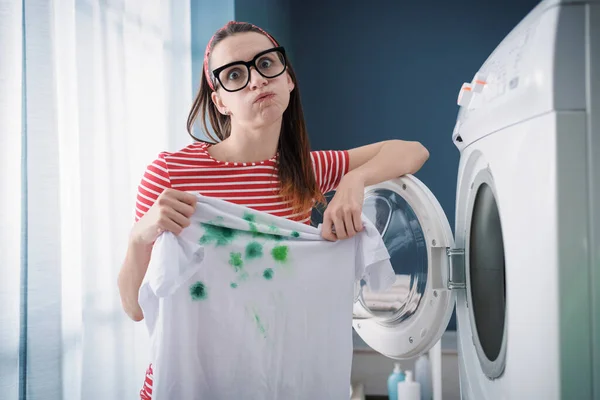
340 227
175 209
185 197
357 219
167 224
180 219
183 202
349 222
341 222
327 233
184 208
334 227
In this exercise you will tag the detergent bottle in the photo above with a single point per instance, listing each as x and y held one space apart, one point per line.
408 389
423 376
395 377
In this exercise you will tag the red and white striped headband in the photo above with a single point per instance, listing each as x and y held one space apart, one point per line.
207 51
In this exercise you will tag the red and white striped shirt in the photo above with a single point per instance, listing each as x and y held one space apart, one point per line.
254 185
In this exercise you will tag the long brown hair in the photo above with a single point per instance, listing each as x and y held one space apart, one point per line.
298 183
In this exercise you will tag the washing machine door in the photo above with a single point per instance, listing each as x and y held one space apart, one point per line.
408 319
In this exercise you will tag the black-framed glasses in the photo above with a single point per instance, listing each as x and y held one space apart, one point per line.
236 75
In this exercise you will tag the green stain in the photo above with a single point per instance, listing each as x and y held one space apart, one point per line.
243 276
249 217
259 325
276 233
198 291
235 260
280 253
295 234
268 274
254 250
219 235
257 233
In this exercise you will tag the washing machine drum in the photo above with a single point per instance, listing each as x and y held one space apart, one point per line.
410 317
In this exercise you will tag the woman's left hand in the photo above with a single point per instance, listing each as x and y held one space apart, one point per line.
344 211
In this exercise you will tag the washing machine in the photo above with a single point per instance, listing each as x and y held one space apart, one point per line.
522 268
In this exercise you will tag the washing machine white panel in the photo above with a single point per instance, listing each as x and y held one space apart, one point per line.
537 68
409 319
575 269
552 337
593 147
525 364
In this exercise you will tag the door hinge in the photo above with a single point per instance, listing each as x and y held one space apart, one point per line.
456 269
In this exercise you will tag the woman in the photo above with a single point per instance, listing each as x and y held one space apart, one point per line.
262 159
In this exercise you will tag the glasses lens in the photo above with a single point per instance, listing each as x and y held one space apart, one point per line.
271 64
234 77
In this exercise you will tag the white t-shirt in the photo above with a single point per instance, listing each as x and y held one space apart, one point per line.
246 305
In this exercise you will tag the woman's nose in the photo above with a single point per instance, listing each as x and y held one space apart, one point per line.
256 79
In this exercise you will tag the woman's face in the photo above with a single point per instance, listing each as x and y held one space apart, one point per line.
263 100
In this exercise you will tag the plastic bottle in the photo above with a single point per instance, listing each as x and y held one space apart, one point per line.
395 377
409 389
423 376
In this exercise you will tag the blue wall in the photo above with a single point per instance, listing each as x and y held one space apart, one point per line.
274 16
371 71
390 69
207 16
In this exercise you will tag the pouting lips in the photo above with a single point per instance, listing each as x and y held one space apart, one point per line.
264 96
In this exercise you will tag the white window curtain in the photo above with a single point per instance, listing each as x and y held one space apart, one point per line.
90 92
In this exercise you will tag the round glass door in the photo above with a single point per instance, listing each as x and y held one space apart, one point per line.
404 238
409 318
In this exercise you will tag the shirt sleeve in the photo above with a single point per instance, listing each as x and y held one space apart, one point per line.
154 181
330 166
174 260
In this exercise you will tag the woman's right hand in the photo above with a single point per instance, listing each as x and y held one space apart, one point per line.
170 212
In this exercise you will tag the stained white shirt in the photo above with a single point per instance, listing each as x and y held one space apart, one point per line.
246 305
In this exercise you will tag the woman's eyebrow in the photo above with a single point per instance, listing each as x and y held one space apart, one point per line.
250 59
